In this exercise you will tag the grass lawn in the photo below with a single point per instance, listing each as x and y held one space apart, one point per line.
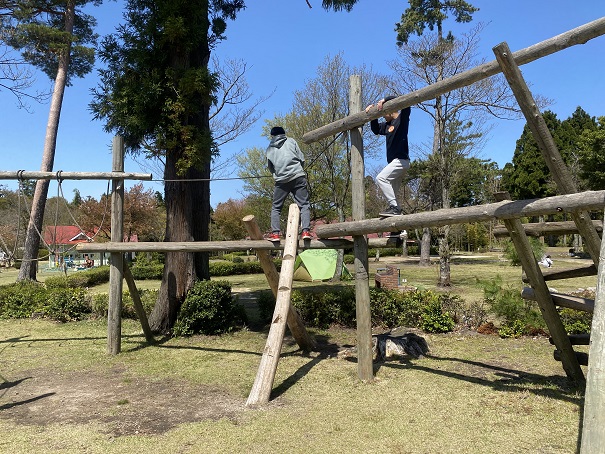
60 392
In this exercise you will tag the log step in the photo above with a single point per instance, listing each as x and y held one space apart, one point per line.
561 299
567 273
575 339
582 357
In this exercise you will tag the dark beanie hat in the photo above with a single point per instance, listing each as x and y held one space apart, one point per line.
277 130
388 98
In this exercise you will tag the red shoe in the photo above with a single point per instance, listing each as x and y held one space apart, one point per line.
306 235
274 237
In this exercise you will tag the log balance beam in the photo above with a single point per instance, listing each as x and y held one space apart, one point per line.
227 246
507 209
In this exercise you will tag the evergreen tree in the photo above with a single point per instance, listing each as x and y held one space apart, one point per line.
156 92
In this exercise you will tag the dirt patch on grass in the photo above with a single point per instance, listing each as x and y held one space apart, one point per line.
124 405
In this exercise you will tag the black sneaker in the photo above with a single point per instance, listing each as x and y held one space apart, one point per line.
391 211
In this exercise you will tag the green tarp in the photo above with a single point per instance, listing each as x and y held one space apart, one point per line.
315 265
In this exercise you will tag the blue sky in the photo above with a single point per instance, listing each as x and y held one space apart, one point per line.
283 44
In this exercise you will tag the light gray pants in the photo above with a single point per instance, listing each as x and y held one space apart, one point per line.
389 179
298 189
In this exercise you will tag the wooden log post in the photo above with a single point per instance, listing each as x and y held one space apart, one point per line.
116 263
508 209
558 170
593 436
261 389
579 35
543 298
295 322
365 368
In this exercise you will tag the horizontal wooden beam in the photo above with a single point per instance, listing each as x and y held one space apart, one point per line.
61 175
582 357
507 209
226 246
560 299
546 228
575 339
579 35
567 273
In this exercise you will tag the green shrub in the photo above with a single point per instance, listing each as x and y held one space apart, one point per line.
144 270
67 304
21 299
513 329
100 303
322 307
209 309
435 320
227 268
574 321
507 304
237 259
79 279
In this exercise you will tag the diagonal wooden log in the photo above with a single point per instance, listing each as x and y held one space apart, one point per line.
579 35
295 322
138 305
543 298
261 389
558 170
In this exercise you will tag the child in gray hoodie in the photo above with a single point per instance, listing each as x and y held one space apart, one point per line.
285 162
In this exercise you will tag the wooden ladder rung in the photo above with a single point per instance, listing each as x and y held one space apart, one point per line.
567 273
582 357
561 299
575 339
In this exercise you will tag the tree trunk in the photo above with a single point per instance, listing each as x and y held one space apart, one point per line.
34 228
179 267
425 248
187 199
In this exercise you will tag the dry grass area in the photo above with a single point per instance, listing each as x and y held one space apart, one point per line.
60 392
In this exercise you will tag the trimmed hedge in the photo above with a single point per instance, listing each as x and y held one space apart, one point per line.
321 307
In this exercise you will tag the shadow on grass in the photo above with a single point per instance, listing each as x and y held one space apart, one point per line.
325 350
506 379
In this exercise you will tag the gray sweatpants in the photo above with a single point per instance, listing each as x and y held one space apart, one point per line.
389 179
298 189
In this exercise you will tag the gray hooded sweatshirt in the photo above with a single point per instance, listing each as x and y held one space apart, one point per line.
284 159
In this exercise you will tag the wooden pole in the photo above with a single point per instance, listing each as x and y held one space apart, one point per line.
593 435
509 209
543 297
365 369
116 263
579 35
558 170
261 389
61 175
295 322
222 246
